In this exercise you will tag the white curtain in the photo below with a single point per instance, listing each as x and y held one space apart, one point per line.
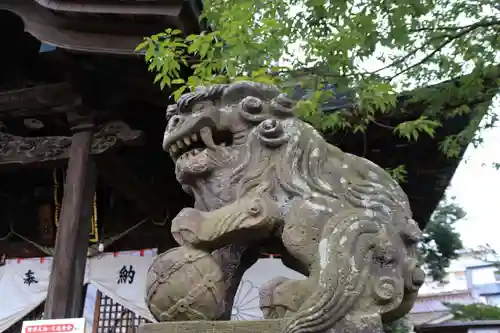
23 287
122 277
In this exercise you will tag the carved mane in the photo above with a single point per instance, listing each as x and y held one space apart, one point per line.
307 166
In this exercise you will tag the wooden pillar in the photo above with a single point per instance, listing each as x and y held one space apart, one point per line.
97 311
64 297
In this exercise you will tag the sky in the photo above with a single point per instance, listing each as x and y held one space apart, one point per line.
476 186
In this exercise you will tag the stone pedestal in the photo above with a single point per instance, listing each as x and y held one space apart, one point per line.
235 326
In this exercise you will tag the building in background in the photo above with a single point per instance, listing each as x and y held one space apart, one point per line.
472 278
484 281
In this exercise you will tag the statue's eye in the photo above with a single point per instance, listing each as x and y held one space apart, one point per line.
202 106
171 111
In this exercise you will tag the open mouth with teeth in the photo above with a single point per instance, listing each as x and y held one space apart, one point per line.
192 144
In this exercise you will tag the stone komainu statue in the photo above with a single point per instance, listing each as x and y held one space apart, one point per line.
259 176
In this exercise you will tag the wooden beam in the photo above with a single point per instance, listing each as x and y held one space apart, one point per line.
125 181
36 100
66 280
16 151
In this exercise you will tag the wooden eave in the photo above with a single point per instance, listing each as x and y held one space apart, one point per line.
102 26
165 8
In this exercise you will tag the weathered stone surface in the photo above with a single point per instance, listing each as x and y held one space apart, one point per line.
259 175
186 284
243 220
251 326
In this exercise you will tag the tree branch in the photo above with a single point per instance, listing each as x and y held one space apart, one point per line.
383 125
448 41
480 24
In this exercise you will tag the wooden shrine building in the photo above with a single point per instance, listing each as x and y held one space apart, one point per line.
81 126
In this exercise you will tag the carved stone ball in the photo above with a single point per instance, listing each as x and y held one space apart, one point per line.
185 284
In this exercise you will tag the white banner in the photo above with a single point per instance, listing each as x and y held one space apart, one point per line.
122 277
23 287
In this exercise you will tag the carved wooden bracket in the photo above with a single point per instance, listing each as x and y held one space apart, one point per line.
20 151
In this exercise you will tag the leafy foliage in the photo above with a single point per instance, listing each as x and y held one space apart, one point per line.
441 242
474 311
372 48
